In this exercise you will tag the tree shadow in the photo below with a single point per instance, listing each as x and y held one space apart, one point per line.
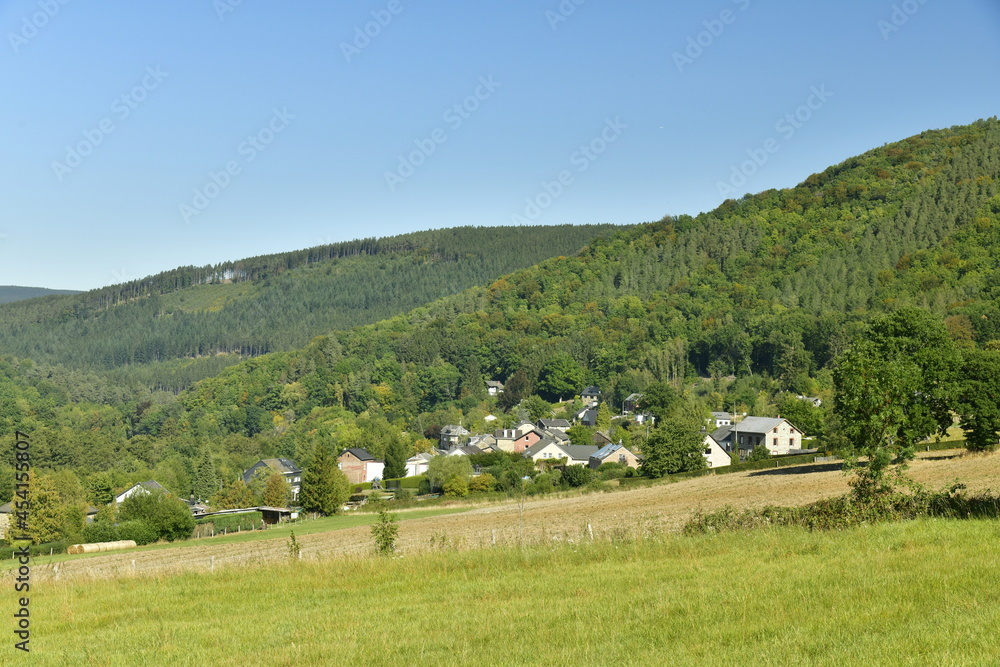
799 470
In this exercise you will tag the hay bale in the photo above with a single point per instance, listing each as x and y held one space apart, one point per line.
98 547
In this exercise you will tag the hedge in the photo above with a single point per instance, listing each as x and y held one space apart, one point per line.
6 553
404 482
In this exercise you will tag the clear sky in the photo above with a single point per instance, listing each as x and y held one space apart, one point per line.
140 136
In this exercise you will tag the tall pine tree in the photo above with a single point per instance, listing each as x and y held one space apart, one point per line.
325 489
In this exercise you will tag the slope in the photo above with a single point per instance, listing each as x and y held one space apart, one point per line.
168 329
12 293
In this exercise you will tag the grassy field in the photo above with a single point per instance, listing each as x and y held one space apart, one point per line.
661 508
921 593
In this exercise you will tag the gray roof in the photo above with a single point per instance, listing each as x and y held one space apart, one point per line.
758 425
578 452
554 423
281 465
591 391
361 454
722 415
454 429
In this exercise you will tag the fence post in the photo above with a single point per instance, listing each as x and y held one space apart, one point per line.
211 566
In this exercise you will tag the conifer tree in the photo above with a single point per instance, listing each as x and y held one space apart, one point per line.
325 489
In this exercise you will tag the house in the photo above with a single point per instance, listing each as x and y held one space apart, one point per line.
721 419
360 466
484 442
601 439
587 417
417 464
514 440
553 425
715 455
631 404
494 388
591 396
291 472
141 487
816 402
464 451
549 450
777 434
613 453
451 435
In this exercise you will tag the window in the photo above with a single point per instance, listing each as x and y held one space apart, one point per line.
622 458
775 443
791 443
708 451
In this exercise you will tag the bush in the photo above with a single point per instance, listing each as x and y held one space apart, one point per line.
425 487
140 531
482 483
457 486
403 495
575 476
100 531
169 516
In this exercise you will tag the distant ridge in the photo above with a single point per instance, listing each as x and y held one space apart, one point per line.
11 293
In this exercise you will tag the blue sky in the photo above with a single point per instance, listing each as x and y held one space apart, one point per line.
141 138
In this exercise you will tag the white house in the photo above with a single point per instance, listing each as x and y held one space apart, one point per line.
549 450
417 464
777 434
722 419
141 487
715 455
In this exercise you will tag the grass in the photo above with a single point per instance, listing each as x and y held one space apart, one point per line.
923 592
277 532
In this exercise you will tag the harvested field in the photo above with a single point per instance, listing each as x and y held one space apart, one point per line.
658 508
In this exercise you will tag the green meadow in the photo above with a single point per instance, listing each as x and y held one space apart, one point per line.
923 593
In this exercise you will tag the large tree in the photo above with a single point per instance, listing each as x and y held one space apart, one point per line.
396 455
325 489
895 387
674 446
978 403
561 377
206 482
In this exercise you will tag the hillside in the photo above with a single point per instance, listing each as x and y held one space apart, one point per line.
772 286
761 295
12 293
170 329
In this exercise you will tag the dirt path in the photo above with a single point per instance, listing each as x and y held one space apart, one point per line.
663 507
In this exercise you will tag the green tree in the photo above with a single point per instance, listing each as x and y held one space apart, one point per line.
674 446
580 434
660 400
894 388
47 514
517 388
978 404
325 488
385 531
235 495
206 482
277 492
443 469
167 514
396 455
604 418
759 453
561 377
6 484
536 407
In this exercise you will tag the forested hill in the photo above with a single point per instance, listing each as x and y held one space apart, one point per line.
12 293
168 330
769 286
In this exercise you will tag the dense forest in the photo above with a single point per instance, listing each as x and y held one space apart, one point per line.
168 330
12 293
739 308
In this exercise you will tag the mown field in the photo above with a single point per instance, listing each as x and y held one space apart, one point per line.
661 509
920 593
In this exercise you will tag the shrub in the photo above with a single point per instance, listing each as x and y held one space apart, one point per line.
575 476
231 523
482 483
403 495
167 514
100 531
140 531
457 486
385 531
